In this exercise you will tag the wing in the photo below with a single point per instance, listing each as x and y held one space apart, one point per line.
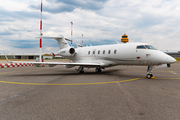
56 63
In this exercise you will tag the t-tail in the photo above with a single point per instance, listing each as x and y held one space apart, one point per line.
62 42
65 49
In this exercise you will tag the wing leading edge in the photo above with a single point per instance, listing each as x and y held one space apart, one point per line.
59 63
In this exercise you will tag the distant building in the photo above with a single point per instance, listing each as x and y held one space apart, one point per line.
47 56
24 56
173 53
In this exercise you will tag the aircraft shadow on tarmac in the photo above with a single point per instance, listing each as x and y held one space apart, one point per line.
112 72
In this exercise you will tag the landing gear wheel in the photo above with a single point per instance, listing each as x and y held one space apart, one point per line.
149 76
82 71
98 70
78 71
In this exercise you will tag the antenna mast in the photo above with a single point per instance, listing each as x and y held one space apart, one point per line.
40 45
82 39
71 32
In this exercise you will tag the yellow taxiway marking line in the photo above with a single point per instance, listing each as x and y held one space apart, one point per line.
53 84
98 83
172 72
169 78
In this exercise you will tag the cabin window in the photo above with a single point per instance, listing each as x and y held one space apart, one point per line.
141 47
103 51
115 51
89 52
93 52
99 52
150 47
109 52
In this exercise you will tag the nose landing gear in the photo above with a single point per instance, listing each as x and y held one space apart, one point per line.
149 75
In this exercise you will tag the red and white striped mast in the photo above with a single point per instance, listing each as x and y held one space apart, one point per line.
82 39
71 32
40 45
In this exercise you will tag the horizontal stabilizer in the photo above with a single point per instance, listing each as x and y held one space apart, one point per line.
59 37
61 41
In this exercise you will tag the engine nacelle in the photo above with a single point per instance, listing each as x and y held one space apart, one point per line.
67 52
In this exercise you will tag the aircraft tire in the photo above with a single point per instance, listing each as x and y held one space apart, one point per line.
78 71
96 70
149 76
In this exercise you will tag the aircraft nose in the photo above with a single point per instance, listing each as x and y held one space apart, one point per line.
171 59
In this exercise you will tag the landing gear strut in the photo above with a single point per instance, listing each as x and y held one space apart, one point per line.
150 75
98 69
80 70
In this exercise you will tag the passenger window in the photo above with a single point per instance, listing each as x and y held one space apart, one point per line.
103 51
99 52
115 51
109 52
89 52
141 47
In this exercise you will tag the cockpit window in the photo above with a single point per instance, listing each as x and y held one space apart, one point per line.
141 47
150 47
146 47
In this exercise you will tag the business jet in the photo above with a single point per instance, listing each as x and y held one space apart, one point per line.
101 57
56 55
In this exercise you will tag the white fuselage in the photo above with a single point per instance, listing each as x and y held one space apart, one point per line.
120 54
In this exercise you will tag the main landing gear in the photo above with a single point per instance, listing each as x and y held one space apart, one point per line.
98 69
149 75
80 70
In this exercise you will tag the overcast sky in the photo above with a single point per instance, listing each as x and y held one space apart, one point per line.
156 22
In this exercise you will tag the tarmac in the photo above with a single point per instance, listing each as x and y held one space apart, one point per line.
117 93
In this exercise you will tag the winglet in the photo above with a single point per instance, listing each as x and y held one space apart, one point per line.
7 58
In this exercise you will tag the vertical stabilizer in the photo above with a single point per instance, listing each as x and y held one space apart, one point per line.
62 42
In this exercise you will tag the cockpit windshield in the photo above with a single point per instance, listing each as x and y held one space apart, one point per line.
141 47
146 47
150 47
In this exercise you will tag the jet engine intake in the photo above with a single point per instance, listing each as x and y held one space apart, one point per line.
67 52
